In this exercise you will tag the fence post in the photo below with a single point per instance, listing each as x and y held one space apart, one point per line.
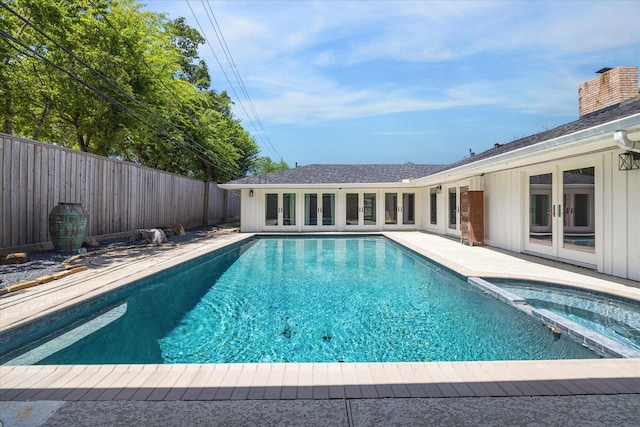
205 204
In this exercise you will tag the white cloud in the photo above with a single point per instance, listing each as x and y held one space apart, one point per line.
298 58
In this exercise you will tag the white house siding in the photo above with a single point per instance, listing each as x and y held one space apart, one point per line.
504 216
617 201
621 235
253 209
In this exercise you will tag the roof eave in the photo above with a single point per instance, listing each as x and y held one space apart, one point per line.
565 141
332 185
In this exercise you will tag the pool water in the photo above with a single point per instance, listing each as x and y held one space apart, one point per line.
356 299
611 317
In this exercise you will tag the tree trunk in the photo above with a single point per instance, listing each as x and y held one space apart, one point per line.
8 124
41 122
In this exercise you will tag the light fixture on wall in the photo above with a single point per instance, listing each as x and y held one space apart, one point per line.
250 193
628 161
438 188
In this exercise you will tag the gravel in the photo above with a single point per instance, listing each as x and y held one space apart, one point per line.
44 263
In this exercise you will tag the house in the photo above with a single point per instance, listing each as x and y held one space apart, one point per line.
571 193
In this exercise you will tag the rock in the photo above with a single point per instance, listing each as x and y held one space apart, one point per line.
15 258
152 236
178 230
90 243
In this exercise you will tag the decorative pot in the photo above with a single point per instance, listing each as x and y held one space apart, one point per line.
68 227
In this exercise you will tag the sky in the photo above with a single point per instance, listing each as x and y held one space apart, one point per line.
370 82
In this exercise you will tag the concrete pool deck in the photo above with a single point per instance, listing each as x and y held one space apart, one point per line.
342 394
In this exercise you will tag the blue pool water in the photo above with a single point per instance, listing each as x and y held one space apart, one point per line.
357 299
614 318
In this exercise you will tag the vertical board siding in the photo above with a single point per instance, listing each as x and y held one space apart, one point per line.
118 196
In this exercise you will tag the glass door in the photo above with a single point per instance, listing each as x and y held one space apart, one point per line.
279 211
360 211
453 209
390 208
319 210
400 208
561 214
578 221
542 214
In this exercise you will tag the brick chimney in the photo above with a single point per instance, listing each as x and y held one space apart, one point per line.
613 86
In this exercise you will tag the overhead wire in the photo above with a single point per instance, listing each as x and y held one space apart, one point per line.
222 68
236 72
142 60
202 152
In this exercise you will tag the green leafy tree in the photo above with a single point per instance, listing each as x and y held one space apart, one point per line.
106 77
264 165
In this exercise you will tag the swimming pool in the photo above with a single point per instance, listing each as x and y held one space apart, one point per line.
301 299
615 318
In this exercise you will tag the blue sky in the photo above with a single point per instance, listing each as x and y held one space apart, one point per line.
406 81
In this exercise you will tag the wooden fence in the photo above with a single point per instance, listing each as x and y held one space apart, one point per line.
118 196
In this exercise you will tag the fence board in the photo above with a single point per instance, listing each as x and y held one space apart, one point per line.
118 196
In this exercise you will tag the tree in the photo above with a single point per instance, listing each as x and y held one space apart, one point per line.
106 77
264 165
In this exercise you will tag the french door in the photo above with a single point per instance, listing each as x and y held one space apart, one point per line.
319 210
361 211
453 209
400 209
561 213
280 211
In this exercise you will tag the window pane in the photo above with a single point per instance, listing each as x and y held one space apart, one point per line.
540 209
453 206
311 209
289 209
391 208
581 210
578 224
408 208
271 209
370 209
433 206
328 209
352 209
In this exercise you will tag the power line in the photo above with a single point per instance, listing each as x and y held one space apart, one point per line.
225 75
227 52
35 54
202 155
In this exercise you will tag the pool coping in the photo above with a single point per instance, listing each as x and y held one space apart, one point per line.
305 380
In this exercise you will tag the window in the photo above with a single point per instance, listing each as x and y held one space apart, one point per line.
408 208
289 209
369 208
352 208
453 208
433 206
391 208
271 210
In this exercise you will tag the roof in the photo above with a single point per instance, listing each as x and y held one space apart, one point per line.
385 173
624 109
342 174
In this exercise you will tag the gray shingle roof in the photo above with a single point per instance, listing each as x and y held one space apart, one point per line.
624 109
342 174
365 174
